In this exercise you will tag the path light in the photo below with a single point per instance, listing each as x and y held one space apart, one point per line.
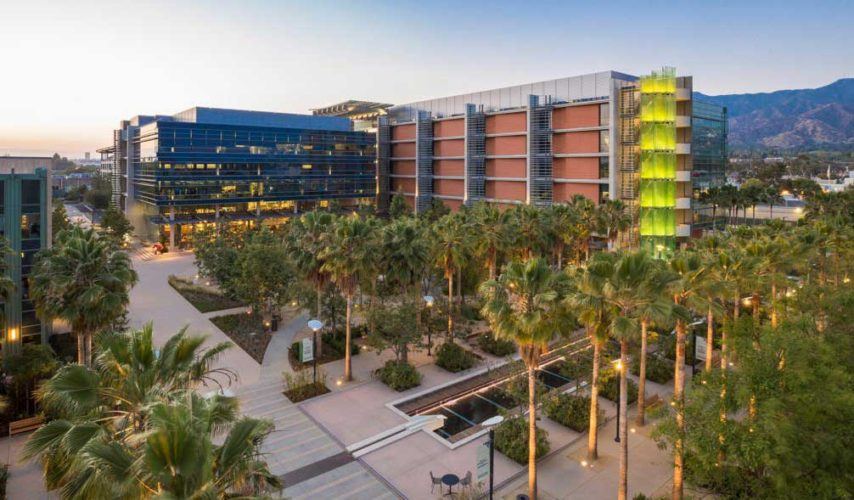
316 325
13 334
428 300
491 423
619 366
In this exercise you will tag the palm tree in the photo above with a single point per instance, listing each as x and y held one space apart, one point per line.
772 197
450 239
524 305
613 219
493 230
530 230
586 221
713 290
84 280
563 226
686 291
133 426
712 197
305 243
343 256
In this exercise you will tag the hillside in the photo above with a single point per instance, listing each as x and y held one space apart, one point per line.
802 119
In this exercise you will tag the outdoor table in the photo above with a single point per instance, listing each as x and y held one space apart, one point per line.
450 480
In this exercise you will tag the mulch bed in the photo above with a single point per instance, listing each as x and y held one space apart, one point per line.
306 392
202 298
247 331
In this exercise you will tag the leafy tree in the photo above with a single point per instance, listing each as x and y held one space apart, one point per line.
84 280
394 330
266 277
216 253
59 220
115 225
133 425
398 207
525 305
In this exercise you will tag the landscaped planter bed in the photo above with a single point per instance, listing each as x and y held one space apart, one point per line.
202 298
247 331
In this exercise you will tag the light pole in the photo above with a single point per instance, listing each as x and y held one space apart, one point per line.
619 366
491 424
428 299
315 325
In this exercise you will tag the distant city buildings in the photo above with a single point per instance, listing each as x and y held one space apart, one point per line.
25 188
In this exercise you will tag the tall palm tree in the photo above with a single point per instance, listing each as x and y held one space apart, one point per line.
530 230
450 239
493 231
305 242
84 280
563 226
687 295
713 290
586 221
613 219
524 305
343 256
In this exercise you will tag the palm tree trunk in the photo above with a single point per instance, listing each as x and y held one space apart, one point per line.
450 306
714 214
593 433
88 348
532 433
622 491
773 304
678 399
710 336
319 308
348 370
81 348
642 377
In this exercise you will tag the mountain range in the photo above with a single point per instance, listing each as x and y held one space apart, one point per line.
791 120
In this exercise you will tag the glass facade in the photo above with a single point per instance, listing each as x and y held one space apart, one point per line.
709 144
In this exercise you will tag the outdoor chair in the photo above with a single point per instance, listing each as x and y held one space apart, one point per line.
466 481
435 481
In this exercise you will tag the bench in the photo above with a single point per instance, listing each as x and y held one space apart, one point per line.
25 425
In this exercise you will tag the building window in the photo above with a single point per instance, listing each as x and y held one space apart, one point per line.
604 141
605 114
604 194
604 171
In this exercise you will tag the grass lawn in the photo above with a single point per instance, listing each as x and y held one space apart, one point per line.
247 331
202 298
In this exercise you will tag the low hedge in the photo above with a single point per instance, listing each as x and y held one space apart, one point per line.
609 385
454 357
511 439
496 346
399 375
658 369
571 411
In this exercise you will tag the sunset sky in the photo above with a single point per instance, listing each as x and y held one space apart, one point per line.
71 70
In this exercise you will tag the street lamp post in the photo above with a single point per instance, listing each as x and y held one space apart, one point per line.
491 424
315 325
619 366
428 299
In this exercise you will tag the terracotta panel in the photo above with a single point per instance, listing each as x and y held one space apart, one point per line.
506 190
451 147
403 150
576 142
575 168
507 122
399 132
449 128
404 167
450 187
565 192
506 167
576 117
448 167
510 145
454 205
402 185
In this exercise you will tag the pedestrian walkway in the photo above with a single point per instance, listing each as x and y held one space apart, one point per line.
311 463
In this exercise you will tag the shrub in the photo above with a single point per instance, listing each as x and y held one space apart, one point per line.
609 383
577 368
454 357
511 439
399 375
301 385
496 346
470 313
337 342
571 411
658 369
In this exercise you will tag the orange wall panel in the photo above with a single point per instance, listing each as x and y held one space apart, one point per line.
507 122
449 187
403 150
403 167
575 168
449 128
565 192
448 167
450 147
399 132
510 145
576 117
402 185
506 190
576 142
506 167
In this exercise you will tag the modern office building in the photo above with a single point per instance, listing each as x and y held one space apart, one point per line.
602 135
172 174
25 188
